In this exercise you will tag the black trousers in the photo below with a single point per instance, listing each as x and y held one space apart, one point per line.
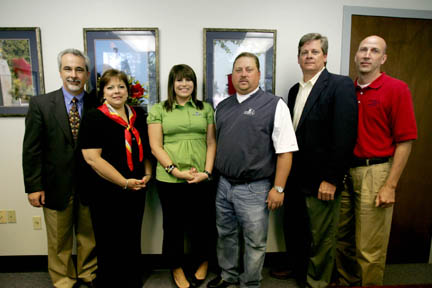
187 209
117 219
296 232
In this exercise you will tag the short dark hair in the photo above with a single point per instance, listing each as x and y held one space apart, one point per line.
314 36
107 76
250 55
75 52
179 72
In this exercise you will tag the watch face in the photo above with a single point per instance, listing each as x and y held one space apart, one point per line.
279 189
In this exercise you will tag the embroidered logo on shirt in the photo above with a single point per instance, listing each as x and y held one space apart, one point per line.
373 102
197 113
249 112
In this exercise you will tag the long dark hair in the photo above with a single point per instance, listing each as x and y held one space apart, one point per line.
107 76
179 72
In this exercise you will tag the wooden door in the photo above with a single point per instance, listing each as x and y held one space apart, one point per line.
409 50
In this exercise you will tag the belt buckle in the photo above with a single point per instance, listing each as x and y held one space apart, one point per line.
367 162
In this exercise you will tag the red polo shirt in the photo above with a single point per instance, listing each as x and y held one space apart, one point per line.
386 116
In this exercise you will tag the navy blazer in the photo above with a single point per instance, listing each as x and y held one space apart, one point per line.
326 132
51 160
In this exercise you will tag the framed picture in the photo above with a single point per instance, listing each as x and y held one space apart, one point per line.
21 72
134 51
221 47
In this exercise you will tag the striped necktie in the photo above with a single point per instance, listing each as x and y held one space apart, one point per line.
74 119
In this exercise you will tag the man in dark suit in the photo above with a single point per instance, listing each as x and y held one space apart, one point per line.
53 170
324 112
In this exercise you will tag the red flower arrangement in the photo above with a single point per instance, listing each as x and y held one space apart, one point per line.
137 92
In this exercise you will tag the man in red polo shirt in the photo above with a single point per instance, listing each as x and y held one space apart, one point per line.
386 130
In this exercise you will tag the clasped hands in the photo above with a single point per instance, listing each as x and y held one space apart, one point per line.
137 184
191 176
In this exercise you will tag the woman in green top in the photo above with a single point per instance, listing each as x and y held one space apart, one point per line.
182 138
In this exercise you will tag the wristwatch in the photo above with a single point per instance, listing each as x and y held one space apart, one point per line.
170 168
209 175
279 189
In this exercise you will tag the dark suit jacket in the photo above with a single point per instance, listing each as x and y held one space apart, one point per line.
51 160
326 133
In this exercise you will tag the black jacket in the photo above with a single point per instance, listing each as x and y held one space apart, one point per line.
52 161
326 132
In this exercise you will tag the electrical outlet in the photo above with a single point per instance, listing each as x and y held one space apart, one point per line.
3 217
37 223
11 216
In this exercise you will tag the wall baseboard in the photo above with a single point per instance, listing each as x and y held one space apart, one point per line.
39 263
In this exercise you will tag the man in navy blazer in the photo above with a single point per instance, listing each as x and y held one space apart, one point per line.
54 173
324 110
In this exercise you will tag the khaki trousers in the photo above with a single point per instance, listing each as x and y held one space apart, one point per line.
61 226
364 230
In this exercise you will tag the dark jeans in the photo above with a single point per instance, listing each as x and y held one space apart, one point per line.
187 208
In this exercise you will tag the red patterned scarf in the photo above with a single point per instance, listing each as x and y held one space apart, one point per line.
110 112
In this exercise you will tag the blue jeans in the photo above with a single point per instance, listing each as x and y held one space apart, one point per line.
242 208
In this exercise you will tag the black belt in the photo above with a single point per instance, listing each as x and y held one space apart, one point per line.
356 162
234 181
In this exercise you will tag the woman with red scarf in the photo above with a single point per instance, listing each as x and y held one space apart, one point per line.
114 143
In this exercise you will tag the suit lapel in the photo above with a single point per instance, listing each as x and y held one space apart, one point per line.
314 95
292 96
61 115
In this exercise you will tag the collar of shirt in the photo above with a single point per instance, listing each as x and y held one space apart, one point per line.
313 80
377 83
68 100
302 96
363 86
241 98
189 102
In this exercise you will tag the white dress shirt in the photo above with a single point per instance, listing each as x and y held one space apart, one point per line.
304 90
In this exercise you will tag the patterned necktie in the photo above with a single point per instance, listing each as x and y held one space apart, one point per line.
74 119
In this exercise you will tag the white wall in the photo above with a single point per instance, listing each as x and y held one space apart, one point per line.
181 26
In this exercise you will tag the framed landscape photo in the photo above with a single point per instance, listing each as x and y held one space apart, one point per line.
21 72
221 47
134 51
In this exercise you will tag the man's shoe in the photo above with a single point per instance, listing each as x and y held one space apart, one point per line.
282 274
218 282
195 282
82 284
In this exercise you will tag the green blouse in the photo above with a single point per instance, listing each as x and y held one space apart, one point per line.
184 136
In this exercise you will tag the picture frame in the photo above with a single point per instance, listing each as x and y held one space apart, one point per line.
221 47
21 69
135 51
